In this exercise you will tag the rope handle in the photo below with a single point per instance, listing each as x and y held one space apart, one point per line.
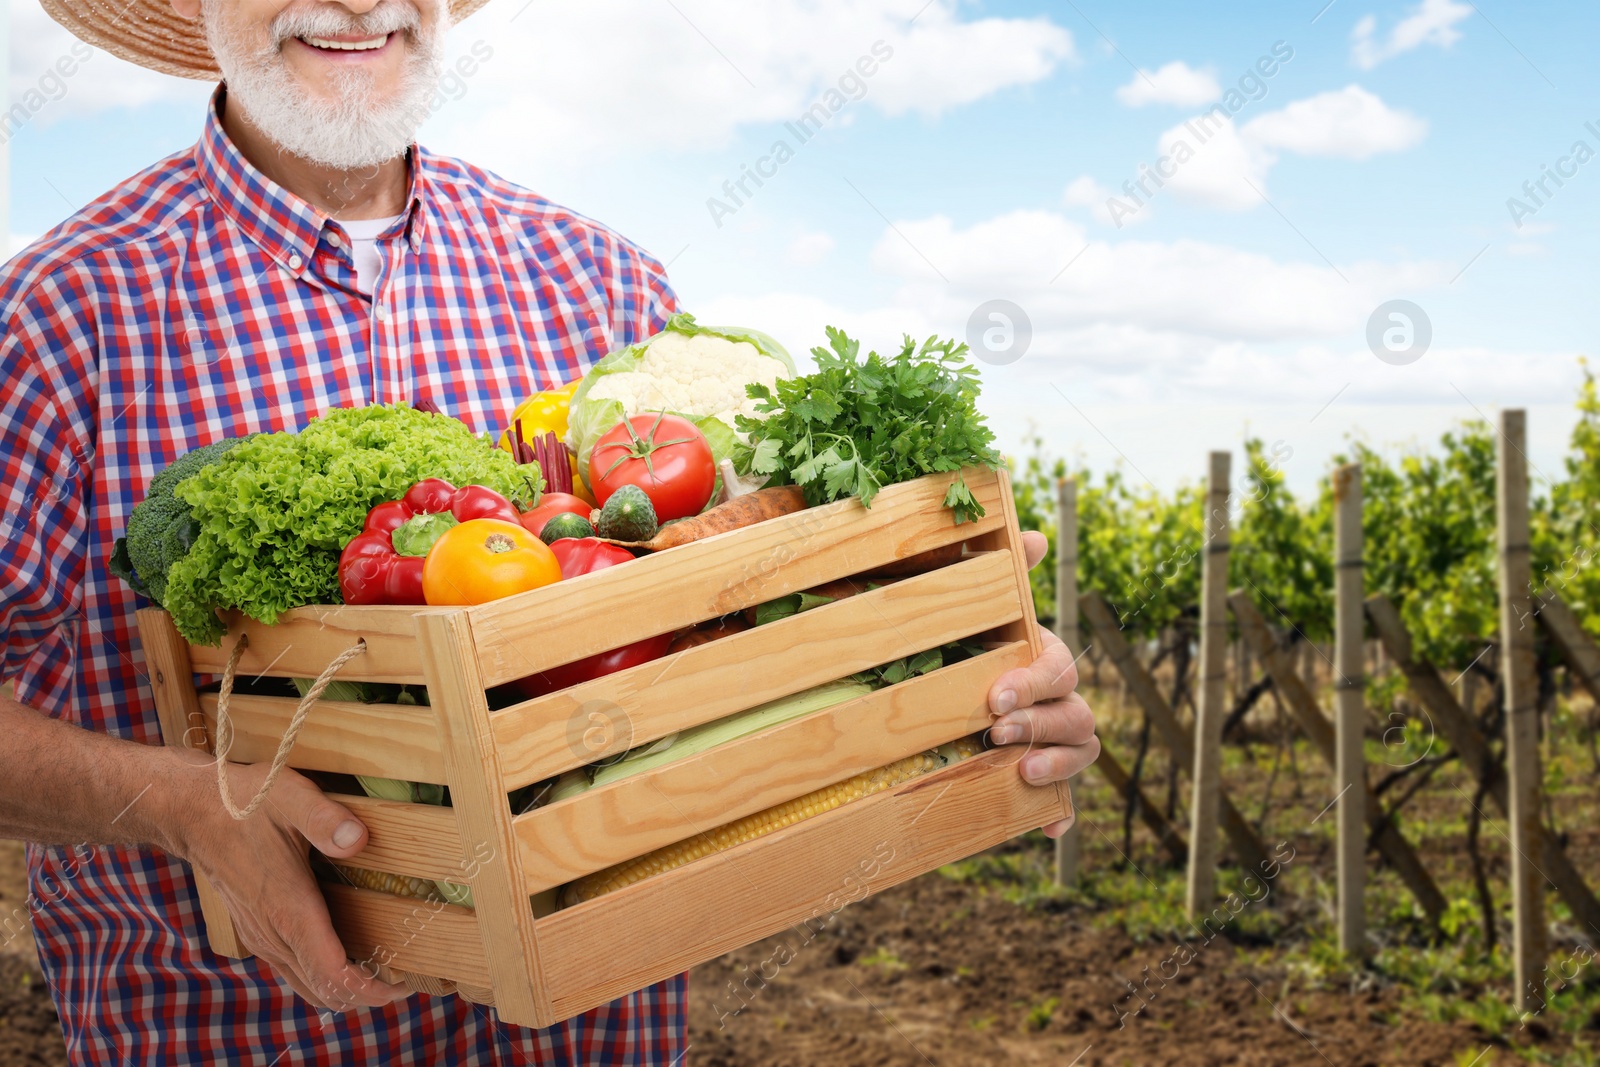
286 745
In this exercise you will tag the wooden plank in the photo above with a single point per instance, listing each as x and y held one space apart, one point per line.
663 925
478 793
1205 803
1462 734
638 814
1350 771
415 839
1067 845
434 939
305 640
1168 836
1247 846
540 738
1518 674
385 740
1302 704
166 657
524 634
1580 650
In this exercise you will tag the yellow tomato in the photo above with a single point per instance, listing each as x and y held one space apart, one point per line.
486 559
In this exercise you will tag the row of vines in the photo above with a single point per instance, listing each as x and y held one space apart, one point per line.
1429 526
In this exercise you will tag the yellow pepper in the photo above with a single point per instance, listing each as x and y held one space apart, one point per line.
543 413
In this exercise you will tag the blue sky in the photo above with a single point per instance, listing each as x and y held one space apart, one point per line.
977 164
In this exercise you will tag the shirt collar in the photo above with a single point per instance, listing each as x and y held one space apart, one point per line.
285 227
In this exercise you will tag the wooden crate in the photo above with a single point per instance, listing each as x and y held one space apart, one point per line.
539 971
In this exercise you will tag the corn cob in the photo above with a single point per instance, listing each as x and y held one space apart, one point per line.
399 885
765 822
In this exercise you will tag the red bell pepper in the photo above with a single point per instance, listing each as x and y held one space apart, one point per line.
585 555
383 563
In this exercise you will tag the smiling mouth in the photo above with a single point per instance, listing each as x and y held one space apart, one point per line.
345 44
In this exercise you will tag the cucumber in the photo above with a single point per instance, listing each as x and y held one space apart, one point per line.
565 525
627 516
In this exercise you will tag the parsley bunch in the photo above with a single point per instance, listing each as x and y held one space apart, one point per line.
856 425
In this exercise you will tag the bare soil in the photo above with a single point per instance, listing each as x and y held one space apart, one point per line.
942 972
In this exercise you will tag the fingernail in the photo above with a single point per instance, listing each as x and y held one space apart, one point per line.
1005 702
1005 733
347 834
1036 768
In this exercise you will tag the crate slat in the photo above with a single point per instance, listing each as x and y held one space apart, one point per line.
166 656
436 939
666 924
420 840
641 813
305 640
385 740
541 738
478 793
705 579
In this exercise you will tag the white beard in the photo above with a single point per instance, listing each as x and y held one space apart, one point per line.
359 129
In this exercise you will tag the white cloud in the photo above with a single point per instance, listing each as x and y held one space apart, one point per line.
1192 287
1211 161
1176 83
1218 171
98 83
611 78
1433 22
1349 123
1086 192
810 249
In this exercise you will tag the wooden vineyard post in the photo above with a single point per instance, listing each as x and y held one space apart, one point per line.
1212 710
1302 704
1067 844
1462 734
1350 774
1517 669
1180 742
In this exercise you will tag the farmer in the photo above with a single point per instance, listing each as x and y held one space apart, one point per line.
305 254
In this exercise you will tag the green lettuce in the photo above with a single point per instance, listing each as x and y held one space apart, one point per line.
273 514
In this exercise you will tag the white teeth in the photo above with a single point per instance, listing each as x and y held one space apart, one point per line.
347 46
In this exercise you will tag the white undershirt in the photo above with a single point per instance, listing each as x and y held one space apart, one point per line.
364 248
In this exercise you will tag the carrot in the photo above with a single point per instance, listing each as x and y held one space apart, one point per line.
931 560
736 514
706 633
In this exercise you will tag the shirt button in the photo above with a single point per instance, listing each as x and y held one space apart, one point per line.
295 262
383 313
333 240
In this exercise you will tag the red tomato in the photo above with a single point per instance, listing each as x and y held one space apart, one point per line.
665 455
550 505
618 659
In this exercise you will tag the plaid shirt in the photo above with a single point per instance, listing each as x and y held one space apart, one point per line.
196 301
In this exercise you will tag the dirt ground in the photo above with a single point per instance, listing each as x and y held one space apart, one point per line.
936 972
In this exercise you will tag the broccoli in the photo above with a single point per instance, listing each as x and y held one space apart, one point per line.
162 528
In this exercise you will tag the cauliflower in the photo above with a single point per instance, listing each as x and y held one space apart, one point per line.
694 375
696 371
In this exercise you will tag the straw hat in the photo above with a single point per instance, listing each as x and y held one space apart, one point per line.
151 34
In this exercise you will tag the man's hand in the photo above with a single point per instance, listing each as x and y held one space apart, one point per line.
260 866
1039 705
